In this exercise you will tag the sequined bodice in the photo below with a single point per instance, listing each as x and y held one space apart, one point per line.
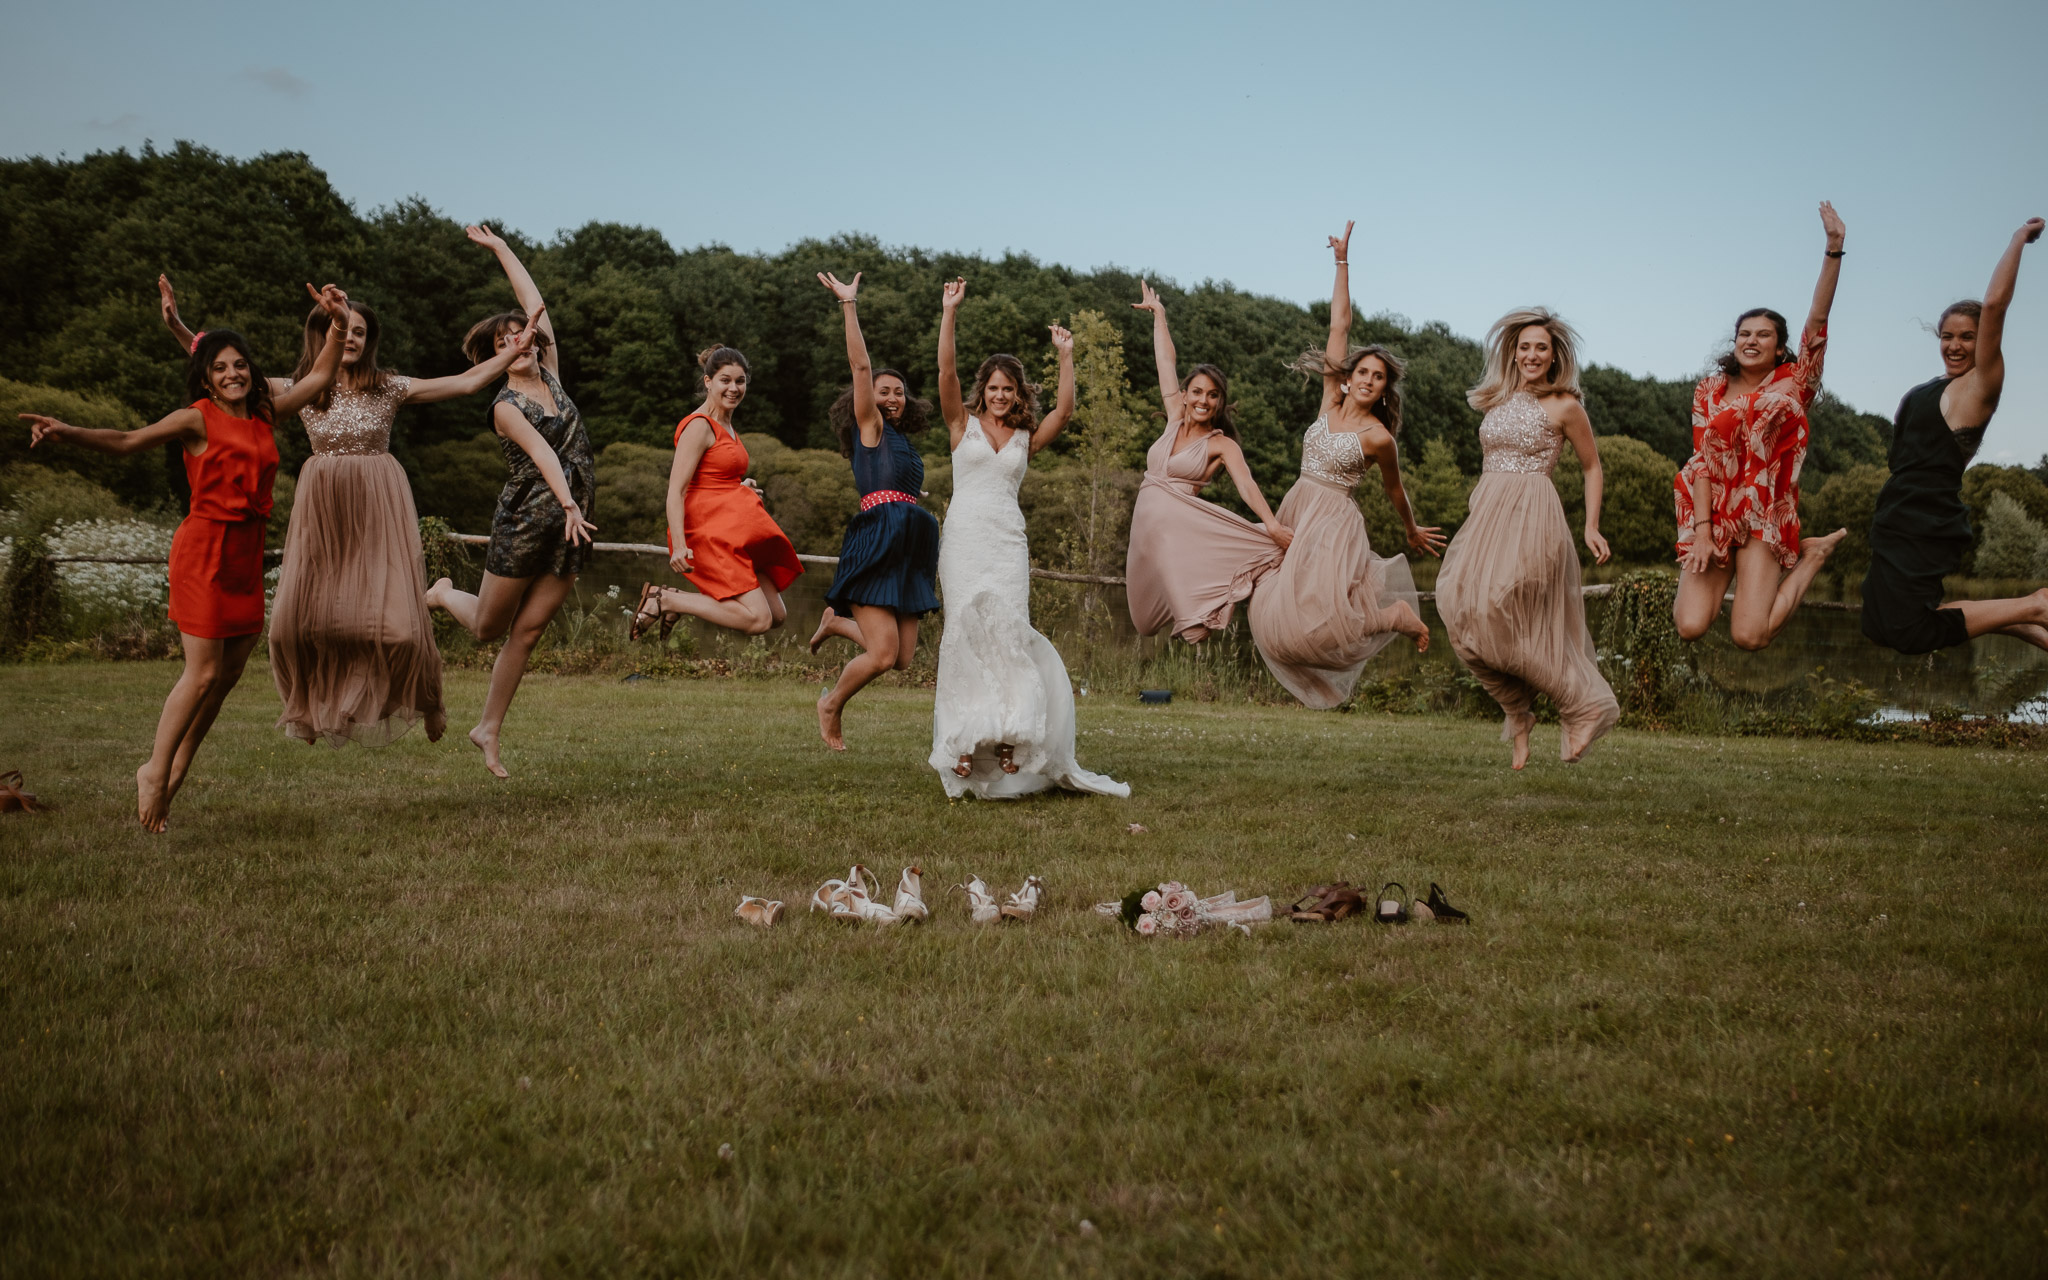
356 422
1519 436
1334 457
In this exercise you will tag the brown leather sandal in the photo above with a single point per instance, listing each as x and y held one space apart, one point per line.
641 618
1327 902
13 798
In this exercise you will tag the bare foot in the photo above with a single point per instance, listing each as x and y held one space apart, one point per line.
1003 760
1521 726
152 805
435 592
828 726
818 638
1821 548
965 767
1408 624
488 744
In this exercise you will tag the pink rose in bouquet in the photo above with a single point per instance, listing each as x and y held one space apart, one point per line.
1179 900
1147 926
1150 901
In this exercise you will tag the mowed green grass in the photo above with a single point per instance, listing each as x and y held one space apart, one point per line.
1738 1007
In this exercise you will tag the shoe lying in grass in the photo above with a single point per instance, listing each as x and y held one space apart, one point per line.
1023 904
758 911
1327 902
981 904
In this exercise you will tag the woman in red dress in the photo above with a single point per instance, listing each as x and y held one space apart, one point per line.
217 552
1738 495
720 535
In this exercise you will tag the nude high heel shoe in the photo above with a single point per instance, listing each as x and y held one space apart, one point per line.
910 895
758 911
1023 904
981 904
830 895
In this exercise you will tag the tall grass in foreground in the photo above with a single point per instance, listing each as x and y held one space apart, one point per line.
1742 1007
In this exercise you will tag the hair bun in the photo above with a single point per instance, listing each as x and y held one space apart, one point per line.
704 356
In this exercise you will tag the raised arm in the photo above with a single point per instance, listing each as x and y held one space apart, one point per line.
513 426
1424 538
1578 429
1974 397
291 399
865 415
477 377
183 336
523 288
1055 422
1163 354
950 406
186 426
1226 451
696 438
1339 344
1830 272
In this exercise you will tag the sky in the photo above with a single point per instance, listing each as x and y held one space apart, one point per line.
1648 170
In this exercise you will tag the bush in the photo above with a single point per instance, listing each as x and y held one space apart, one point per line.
1637 509
141 481
36 500
1638 636
29 608
1846 501
1437 489
632 492
810 492
1981 483
460 480
2012 544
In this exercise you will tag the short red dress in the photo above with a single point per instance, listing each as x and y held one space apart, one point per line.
217 552
734 543
1750 448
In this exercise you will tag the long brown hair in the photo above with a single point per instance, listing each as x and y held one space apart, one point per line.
1315 363
1023 415
363 376
199 368
916 415
481 342
1729 365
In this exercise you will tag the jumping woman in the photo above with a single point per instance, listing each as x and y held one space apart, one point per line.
889 558
216 574
1738 496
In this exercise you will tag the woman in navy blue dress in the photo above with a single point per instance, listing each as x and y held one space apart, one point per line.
889 560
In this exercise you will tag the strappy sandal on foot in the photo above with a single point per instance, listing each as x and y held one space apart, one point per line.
641 618
1390 909
1004 752
1441 909
13 798
963 769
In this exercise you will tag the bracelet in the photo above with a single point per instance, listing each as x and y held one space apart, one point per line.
1343 262
1836 253
846 302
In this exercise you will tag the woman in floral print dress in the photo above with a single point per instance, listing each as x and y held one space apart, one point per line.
1738 495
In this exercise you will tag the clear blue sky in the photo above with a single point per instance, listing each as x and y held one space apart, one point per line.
1648 170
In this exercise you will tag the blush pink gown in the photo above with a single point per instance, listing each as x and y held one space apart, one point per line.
1190 561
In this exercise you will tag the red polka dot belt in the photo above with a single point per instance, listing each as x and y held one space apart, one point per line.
880 496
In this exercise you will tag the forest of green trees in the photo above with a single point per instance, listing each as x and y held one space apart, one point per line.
82 242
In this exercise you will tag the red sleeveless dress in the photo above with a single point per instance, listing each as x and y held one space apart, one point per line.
217 552
735 544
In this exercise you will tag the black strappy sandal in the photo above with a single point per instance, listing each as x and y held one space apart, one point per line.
1399 914
1443 910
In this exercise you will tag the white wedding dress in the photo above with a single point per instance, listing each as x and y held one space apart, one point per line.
999 681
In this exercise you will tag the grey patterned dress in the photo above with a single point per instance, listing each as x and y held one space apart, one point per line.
526 532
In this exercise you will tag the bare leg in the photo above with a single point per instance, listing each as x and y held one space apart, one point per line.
1409 624
748 614
880 633
486 614
835 624
1765 599
2025 617
543 598
1698 601
777 611
209 673
234 657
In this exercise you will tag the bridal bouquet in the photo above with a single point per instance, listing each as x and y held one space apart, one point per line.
1174 911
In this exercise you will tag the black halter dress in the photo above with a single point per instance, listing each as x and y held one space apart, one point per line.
1920 531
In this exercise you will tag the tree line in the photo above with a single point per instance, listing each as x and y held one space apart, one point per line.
82 241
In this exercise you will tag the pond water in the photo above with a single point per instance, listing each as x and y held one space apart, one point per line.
1993 675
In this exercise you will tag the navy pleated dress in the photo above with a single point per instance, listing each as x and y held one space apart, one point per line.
890 555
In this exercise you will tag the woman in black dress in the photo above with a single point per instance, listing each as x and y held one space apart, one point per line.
1920 530
540 536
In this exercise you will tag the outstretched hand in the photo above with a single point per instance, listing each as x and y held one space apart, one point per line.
2031 229
1148 299
1427 538
40 427
842 290
575 529
168 300
954 294
1831 223
483 235
331 300
1062 341
1341 246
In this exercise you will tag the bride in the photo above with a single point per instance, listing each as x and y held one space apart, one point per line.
1003 721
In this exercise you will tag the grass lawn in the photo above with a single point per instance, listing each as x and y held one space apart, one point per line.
1727 1006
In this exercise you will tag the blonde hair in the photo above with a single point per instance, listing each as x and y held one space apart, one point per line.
1503 376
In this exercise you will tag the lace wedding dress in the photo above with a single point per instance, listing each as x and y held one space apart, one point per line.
999 680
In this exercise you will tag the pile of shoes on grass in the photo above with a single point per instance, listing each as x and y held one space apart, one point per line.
1340 901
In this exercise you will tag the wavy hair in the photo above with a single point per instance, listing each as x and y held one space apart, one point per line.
1315 363
1503 377
199 385
916 415
481 342
364 376
1226 417
1023 416
1726 361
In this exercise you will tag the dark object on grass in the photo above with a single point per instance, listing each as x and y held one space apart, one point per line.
635 678
1390 910
12 797
1155 695
1327 902
1442 909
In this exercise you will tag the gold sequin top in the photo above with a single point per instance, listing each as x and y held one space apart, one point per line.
356 422
1519 436
1333 457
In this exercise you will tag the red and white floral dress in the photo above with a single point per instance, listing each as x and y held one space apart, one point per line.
1750 448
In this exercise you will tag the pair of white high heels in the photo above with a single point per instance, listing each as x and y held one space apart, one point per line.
982 907
852 899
